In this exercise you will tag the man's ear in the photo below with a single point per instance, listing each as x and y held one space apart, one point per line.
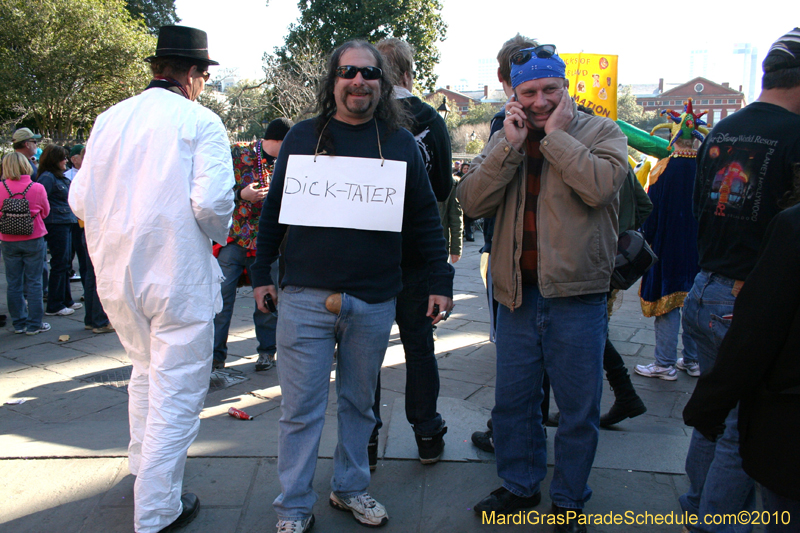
499 76
566 83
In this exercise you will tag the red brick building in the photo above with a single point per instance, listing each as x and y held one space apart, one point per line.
719 100
462 99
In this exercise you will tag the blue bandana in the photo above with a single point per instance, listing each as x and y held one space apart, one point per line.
535 68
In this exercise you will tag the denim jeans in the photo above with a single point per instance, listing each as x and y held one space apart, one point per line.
233 260
307 334
95 315
564 337
717 482
781 509
79 249
23 261
667 328
422 372
59 240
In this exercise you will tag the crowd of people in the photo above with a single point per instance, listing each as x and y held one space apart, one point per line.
174 219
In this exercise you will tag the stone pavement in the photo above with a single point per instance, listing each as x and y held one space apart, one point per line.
63 451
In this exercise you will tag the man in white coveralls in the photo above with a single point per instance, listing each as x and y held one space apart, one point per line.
155 189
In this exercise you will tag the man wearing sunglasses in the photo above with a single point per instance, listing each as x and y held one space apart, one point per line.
25 142
551 178
154 190
340 284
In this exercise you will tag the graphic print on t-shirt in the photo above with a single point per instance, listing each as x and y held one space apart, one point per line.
739 166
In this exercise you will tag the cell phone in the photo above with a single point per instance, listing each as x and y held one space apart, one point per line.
436 311
270 304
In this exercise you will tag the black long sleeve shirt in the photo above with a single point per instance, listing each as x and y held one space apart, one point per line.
364 264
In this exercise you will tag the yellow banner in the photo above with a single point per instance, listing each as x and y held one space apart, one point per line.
593 82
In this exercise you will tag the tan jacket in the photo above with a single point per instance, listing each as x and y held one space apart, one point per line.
576 216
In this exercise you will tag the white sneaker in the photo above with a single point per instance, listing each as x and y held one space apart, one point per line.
295 526
45 327
693 369
364 508
76 305
64 312
654 371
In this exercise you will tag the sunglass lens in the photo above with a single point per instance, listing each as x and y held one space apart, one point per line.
371 73
545 51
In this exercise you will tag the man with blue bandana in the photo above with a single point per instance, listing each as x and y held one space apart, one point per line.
551 178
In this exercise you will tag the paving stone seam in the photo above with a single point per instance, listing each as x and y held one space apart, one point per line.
246 507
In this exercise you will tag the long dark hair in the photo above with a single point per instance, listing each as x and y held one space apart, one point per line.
389 109
52 155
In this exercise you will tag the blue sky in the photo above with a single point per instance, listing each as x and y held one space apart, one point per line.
652 39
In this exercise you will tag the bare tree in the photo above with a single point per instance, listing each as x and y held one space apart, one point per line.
294 80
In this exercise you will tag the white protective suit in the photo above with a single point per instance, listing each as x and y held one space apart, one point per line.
155 188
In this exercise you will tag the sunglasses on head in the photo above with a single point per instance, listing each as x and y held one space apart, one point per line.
543 52
349 72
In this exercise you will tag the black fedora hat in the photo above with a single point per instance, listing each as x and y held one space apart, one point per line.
182 41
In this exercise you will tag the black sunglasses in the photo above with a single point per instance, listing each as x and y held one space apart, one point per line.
543 52
349 72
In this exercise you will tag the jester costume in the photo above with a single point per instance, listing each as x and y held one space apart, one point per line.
671 231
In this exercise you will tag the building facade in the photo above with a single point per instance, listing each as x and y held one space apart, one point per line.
720 100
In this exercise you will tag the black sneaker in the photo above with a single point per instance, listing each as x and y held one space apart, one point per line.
569 526
503 500
622 410
265 361
372 452
483 440
431 448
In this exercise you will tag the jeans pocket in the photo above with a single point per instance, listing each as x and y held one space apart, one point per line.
293 289
719 328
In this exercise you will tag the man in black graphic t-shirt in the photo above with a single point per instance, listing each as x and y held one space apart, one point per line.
744 168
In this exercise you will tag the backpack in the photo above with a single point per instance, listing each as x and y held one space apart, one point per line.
17 218
634 258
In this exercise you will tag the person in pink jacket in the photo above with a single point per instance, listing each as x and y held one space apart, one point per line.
24 255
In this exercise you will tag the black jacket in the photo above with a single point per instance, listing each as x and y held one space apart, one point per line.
57 188
758 364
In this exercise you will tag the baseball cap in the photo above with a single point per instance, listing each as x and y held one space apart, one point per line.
24 134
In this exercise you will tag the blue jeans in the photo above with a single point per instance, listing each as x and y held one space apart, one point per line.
422 372
667 328
307 334
59 240
564 337
24 261
95 314
717 482
781 505
233 260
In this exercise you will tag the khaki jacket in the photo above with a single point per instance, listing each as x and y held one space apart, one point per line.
576 217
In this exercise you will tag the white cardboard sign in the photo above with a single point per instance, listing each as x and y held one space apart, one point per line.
343 192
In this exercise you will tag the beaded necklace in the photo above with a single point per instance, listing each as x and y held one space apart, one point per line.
261 162
684 153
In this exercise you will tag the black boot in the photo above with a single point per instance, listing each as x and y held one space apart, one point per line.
627 403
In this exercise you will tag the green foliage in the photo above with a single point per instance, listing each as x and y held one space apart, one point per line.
634 114
475 147
156 13
66 61
329 23
479 114
243 108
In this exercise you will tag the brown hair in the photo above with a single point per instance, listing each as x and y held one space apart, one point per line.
511 47
175 67
52 155
399 56
15 165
